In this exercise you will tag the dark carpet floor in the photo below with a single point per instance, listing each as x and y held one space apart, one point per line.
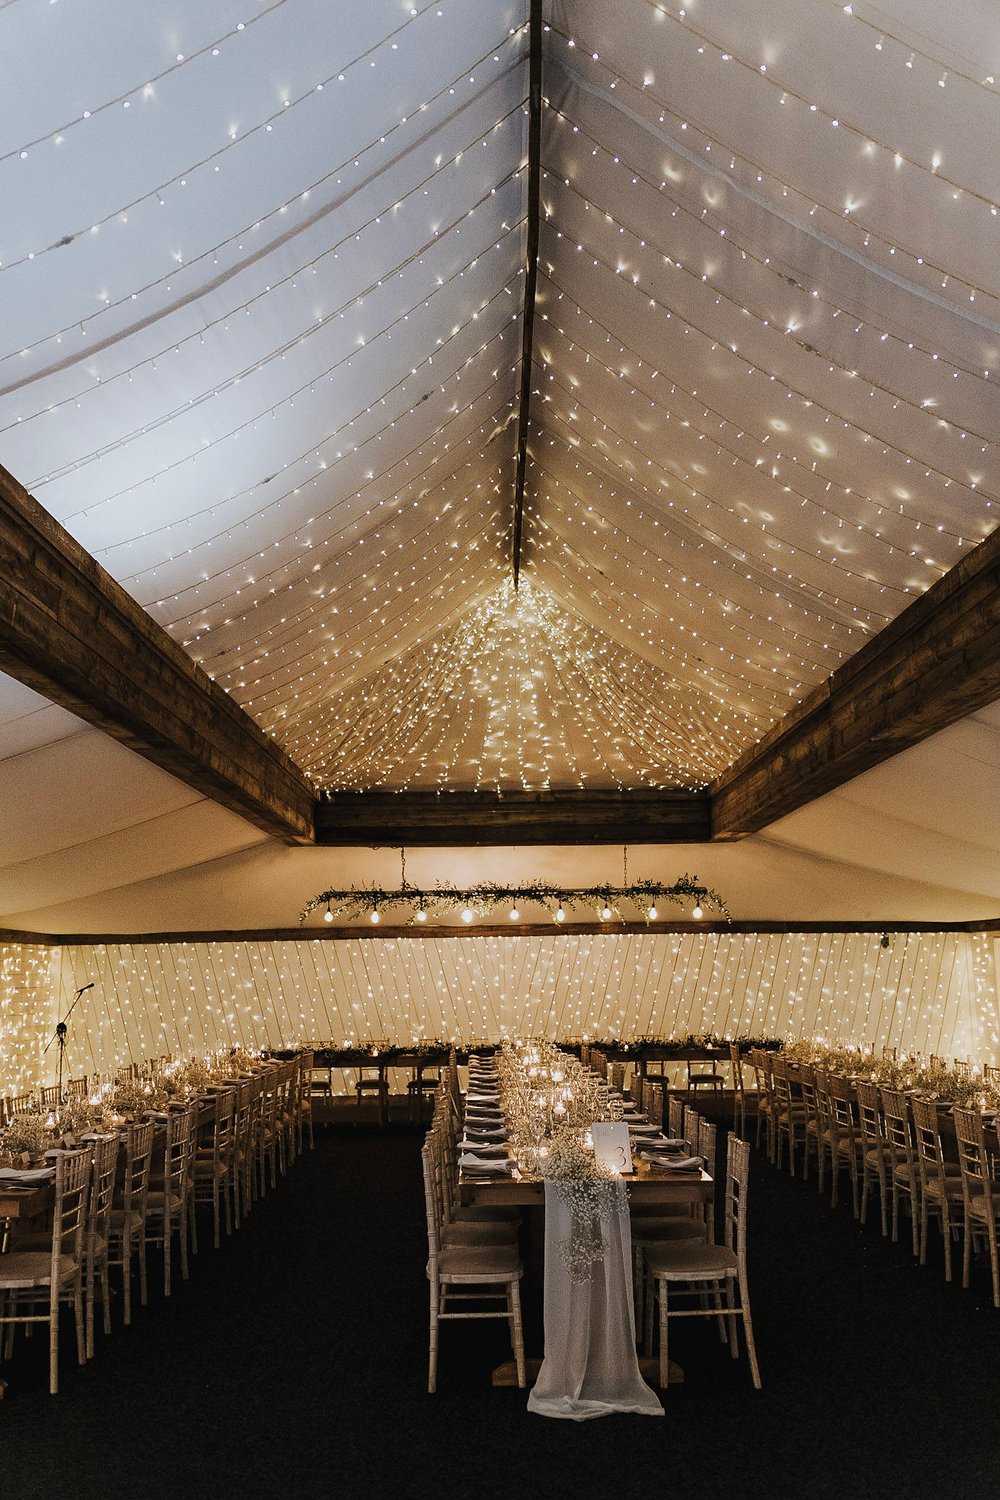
294 1362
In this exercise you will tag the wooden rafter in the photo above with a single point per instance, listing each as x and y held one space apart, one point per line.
530 270
572 816
69 631
934 664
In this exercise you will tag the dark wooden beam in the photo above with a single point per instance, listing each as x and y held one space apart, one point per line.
459 819
530 269
934 664
69 631
365 932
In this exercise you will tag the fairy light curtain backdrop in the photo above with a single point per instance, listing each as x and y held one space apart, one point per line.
928 992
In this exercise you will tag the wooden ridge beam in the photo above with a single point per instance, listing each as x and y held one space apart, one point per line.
69 631
459 819
936 663
365 932
530 270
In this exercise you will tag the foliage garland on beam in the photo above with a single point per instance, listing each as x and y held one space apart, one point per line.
611 902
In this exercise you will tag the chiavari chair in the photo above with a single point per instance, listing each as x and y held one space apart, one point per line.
874 1149
760 1061
789 1112
212 1164
167 1209
691 1266
981 1194
302 1094
675 1116
811 1131
845 1142
453 1228
31 1280
462 1274
739 1090
244 1138
266 1131
689 1130
905 1174
127 1227
941 1192
97 1235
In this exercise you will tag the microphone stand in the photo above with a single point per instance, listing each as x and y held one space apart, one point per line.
60 1033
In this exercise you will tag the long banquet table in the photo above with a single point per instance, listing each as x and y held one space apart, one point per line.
645 1186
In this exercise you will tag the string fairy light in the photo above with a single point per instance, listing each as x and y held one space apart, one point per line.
756 171
512 695
706 217
934 992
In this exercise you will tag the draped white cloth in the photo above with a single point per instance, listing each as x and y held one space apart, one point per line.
590 1367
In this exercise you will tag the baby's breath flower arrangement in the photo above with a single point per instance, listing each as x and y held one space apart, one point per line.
24 1133
79 1115
590 1191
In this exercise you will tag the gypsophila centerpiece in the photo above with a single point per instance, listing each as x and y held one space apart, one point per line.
24 1135
590 1191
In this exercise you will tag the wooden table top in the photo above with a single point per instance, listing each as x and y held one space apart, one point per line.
644 1185
26 1202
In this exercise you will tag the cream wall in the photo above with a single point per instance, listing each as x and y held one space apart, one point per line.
928 992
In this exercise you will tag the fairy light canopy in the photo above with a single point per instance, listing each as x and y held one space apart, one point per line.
263 268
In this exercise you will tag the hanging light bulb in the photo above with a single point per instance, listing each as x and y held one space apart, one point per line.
467 914
328 914
560 914
421 913
515 915
697 909
606 913
375 919
653 913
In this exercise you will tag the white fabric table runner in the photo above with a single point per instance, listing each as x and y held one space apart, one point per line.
590 1367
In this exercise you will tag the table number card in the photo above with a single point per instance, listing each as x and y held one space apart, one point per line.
612 1146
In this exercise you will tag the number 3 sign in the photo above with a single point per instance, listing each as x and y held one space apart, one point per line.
612 1147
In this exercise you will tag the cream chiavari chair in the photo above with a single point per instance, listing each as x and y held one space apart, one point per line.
127 1228
244 1172
739 1090
846 1152
812 1144
454 1228
167 1210
97 1235
463 1274
32 1280
789 1112
690 1266
691 1127
266 1130
874 1166
675 1116
941 1192
981 1194
303 1100
760 1061
706 1149
212 1165
905 1174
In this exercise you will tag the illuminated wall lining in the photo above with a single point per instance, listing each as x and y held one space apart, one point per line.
27 991
927 992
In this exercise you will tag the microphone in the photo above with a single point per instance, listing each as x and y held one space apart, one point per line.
83 989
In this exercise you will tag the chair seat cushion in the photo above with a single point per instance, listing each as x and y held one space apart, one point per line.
479 1263
690 1260
21 1270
